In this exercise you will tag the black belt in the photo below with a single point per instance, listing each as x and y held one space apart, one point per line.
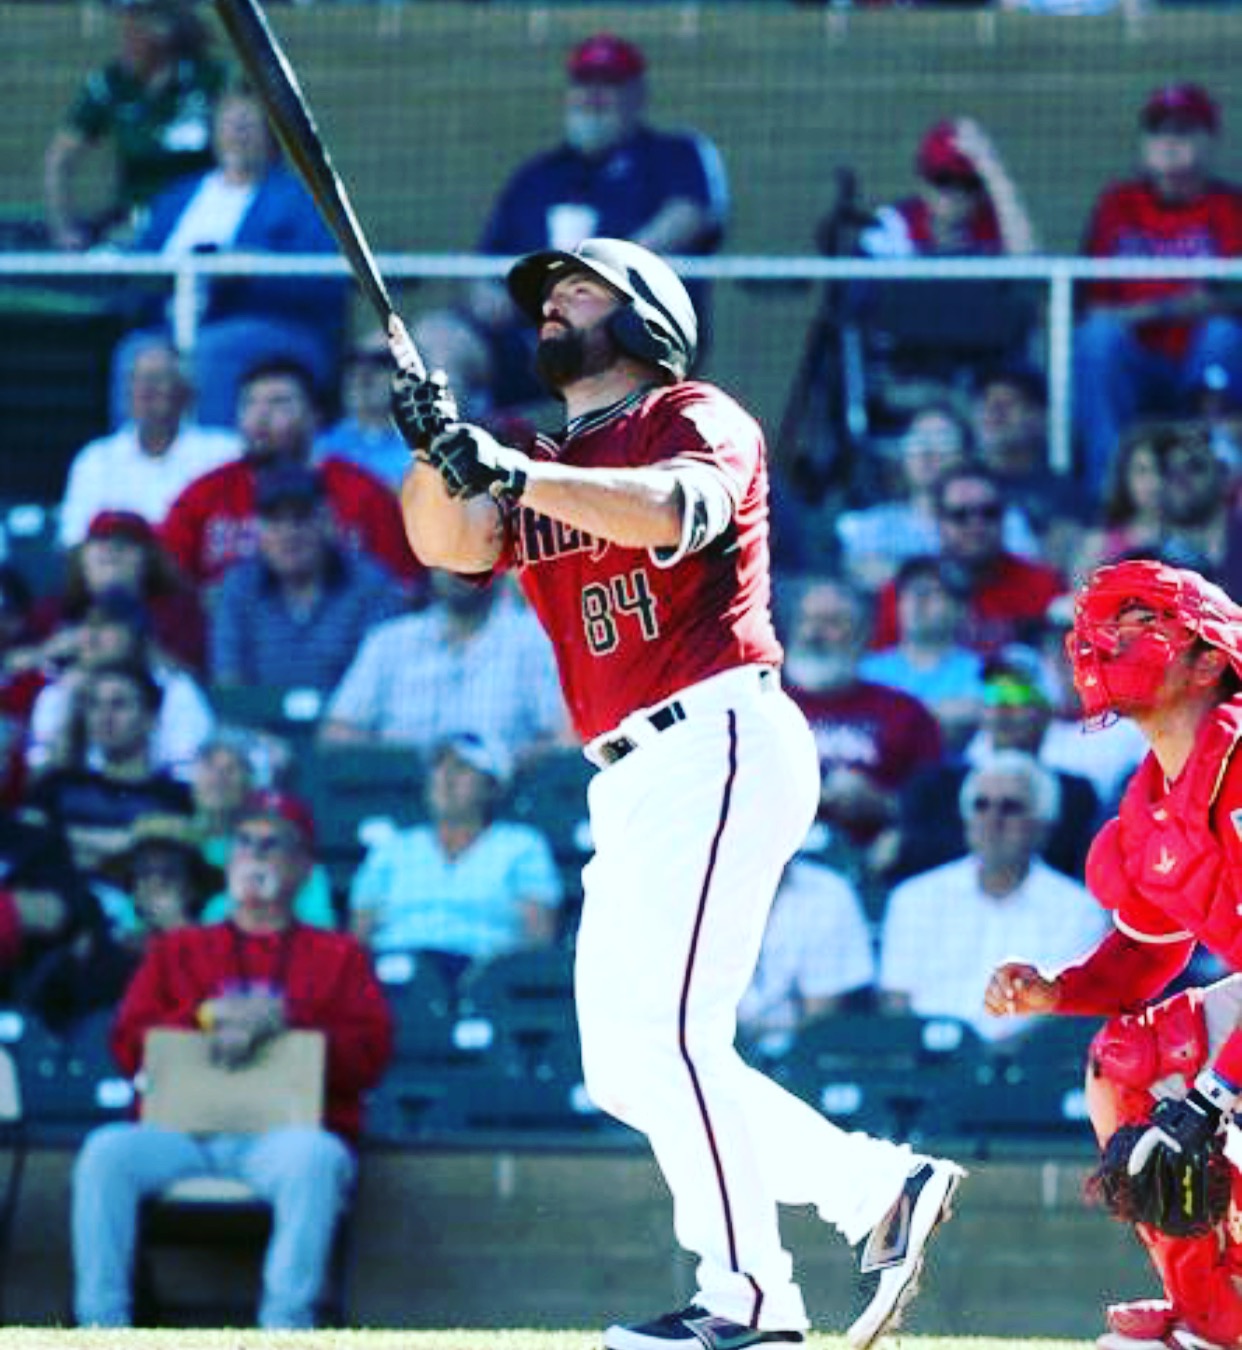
663 718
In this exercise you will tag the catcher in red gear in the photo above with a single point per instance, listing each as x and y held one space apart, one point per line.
1162 646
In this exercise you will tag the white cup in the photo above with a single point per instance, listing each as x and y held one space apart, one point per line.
569 223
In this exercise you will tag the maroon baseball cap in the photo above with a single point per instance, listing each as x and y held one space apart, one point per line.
121 525
1188 106
605 59
939 157
271 805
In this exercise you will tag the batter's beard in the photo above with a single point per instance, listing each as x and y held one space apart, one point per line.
572 354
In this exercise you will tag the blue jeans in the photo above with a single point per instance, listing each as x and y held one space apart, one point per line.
1116 379
225 352
306 1175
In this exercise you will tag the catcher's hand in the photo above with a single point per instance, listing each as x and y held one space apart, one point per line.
1183 1191
473 463
422 409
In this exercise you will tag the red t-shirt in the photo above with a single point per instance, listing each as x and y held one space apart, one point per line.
1014 593
1131 221
627 632
213 523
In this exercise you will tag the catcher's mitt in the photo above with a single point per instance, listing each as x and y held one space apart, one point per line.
1182 1194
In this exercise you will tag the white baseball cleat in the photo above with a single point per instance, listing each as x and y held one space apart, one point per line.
891 1255
693 1328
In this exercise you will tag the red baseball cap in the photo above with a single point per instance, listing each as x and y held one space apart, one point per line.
938 155
605 59
284 806
1189 106
121 525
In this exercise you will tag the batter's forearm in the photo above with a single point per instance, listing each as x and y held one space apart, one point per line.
456 535
636 508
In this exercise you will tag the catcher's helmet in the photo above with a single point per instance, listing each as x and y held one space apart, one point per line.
657 326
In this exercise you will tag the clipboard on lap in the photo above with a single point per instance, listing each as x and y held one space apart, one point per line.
183 1090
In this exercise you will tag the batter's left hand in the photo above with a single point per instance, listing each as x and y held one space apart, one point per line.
471 462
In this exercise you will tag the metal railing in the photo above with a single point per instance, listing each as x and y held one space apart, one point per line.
1059 275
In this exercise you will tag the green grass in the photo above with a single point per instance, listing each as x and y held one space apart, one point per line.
43 1338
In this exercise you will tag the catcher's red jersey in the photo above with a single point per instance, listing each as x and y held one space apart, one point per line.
629 632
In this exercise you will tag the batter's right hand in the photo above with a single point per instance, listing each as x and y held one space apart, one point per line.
422 409
1017 988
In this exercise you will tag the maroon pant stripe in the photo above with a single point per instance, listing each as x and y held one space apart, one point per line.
683 1013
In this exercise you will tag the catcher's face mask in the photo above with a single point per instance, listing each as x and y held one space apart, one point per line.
1132 621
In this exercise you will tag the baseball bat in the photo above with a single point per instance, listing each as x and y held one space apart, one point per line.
291 119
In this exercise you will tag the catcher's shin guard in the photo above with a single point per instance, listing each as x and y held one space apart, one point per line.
1195 1273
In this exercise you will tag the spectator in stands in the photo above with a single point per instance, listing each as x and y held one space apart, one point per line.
946 929
225 786
930 662
158 882
1195 502
1019 696
466 884
122 554
115 627
244 983
611 175
870 738
144 464
295 613
107 776
1143 344
1004 593
365 433
44 900
475 661
1010 417
816 954
1132 510
153 102
213 523
966 203
875 540
21 678
250 203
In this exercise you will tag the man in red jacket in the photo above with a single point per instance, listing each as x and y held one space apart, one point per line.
213 522
1145 343
1160 645
243 982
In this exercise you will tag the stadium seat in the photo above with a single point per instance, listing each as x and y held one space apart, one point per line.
70 1083
520 1006
201 1214
349 787
883 1074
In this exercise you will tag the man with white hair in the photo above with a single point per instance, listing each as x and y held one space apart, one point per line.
945 930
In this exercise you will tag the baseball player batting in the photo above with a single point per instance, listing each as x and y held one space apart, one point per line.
640 536
1162 646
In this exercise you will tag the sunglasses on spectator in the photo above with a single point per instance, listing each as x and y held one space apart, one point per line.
261 845
960 515
1008 808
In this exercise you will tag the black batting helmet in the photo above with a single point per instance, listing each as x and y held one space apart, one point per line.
657 326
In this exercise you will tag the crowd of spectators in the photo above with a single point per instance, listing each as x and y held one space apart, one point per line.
227 536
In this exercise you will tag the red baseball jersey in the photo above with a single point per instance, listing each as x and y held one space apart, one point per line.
628 632
212 523
1131 221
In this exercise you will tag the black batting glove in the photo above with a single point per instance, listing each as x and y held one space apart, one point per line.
422 409
473 463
